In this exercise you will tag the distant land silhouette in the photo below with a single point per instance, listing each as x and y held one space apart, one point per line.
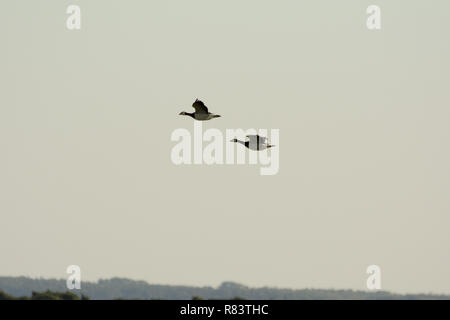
121 288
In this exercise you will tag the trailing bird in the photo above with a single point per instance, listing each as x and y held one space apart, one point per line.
255 142
201 112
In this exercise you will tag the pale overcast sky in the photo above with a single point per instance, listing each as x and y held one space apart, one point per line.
86 118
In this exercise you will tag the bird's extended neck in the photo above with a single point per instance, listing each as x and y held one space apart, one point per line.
192 115
245 143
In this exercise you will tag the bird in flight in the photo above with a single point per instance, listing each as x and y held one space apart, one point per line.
255 142
201 112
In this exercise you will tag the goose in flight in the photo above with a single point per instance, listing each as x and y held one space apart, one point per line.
201 112
255 142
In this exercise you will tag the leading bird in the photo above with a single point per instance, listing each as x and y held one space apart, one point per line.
201 112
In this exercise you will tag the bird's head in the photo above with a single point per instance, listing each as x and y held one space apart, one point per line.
182 113
234 140
216 116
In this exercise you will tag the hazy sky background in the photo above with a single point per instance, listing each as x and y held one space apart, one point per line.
86 118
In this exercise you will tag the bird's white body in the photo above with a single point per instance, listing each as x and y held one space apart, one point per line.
255 142
257 147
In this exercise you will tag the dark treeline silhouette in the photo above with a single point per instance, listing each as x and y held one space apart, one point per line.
116 288
47 295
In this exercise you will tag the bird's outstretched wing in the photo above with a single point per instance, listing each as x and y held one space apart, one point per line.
199 107
256 139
